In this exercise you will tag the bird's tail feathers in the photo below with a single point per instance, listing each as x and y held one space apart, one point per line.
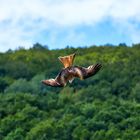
67 61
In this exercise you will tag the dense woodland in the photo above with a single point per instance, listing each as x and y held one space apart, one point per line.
103 107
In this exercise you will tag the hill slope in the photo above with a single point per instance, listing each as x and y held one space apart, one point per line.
104 107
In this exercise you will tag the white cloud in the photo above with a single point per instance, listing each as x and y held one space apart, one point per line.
78 12
21 22
125 9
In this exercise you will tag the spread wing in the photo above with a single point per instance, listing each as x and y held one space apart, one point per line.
67 61
68 74
51 82
92 70
83 73
59 81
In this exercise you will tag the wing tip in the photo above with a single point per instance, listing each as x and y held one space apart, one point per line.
98 65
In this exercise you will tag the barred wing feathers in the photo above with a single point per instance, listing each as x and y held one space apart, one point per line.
69 73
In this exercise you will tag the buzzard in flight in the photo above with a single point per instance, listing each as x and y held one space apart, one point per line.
69 72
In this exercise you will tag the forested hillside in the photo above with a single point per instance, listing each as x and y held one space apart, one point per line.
103 107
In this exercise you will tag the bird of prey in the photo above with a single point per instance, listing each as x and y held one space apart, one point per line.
69 72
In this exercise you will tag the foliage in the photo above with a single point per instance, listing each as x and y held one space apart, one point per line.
103 107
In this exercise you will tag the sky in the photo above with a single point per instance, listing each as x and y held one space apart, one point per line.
58 23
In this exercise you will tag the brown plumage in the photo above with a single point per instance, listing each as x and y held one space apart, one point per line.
67 61
69 72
